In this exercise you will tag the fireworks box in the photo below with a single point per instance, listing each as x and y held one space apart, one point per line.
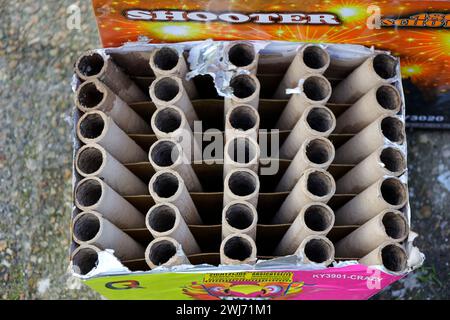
250 152
416 31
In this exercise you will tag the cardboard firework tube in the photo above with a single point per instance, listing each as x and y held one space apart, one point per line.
237 248
316 121
246 89
239 217
315 185
241 152
309 59
389 225
94 95
165 220
316 249
242 120
167 61
316 152
97 127
167 186
385 161
314 90
315 218
93 65
170 123
165 251
384 129
93 160
168 154
168 91
241 55
379 101
385 193
390 255
91 228
375 71
243 185
84 259
92 194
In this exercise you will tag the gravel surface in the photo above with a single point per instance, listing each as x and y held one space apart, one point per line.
37 51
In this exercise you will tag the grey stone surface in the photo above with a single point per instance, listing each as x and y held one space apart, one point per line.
36 54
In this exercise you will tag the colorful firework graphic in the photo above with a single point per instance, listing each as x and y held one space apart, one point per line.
424 51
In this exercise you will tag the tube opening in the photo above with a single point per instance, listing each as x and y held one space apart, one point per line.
243 118
393 129
316 88
394 258
315 57
88 192
165 153
319 151
90 160
319 184
243 86
89 96
393 191
86 227
166 185
168 120
318 218
318 250
161 252
241 55
384 65
166 58
239 216
393 159
162 218
388 97
242 183
238 248
85 260
166 89
241 150
92 126
395 225
320 119
91 64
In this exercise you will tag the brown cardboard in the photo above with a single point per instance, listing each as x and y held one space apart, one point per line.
92 160
209 204
164 220
246 90
167 186
239 217
242 55
94 65
93 229
94 95
167 61
242 185
169 91
97 127
310 59
165 251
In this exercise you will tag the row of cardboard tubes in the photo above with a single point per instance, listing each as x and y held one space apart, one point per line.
104 97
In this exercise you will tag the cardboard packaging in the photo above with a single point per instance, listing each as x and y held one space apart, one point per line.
253 215
164 220
414 31
239 217
165 251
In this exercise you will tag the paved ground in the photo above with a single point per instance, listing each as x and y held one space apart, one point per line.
36 50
